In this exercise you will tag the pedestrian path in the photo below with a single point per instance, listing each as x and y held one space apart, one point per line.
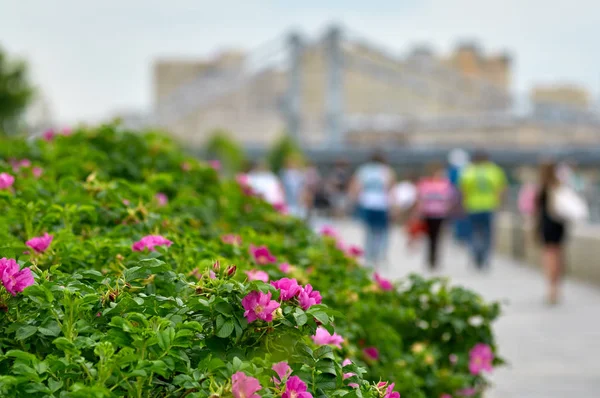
553 352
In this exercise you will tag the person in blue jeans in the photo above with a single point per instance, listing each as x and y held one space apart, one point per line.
482 185
370 190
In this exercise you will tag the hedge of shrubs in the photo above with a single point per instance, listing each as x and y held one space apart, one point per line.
131 269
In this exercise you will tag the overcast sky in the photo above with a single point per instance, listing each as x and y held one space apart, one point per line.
94 57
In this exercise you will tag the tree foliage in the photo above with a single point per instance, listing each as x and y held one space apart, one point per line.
15 92
226 150
284 148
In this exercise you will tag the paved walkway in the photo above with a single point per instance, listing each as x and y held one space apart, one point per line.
552 352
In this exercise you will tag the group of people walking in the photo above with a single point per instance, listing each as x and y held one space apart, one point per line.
427 204
465 196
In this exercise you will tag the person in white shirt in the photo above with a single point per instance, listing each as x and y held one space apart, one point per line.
404 195
266 184
370 189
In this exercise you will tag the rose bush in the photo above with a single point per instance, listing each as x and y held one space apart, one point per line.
202 292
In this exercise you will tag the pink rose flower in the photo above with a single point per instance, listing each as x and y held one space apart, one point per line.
262 255
66 131
48 135
349 374
480 359
390 392
383 283
13 279
283 370
196 273
244 183
259 305
371 353
285 268
37 172
281 208
40 243
212 275
6 181
308 297
244 386
186 166
453 358
149 242
295 388
354 251
18 164
215 165
257 275
288 288
232 239
328 230
322 337
162 199
467 392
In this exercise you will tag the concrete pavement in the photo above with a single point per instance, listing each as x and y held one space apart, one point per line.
553 352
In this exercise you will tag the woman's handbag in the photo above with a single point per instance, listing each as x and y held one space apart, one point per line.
566 205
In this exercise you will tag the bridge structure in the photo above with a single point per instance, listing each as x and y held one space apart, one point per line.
341 93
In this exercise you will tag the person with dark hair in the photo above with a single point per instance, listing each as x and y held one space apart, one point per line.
435 198
550 231
337 184
482 185
370 190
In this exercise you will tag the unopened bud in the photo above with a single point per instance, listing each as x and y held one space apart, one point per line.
231 270
216 266
120 257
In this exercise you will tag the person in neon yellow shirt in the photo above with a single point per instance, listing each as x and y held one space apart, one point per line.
482 185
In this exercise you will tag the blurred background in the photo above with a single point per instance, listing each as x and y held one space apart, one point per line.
417 79
324 84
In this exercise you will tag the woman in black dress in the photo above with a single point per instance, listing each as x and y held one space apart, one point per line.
550 231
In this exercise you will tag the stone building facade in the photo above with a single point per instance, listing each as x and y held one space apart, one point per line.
421 84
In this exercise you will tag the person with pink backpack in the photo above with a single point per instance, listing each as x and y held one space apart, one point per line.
436 198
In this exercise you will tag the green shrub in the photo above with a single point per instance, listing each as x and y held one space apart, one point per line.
223 148
105 320
283 149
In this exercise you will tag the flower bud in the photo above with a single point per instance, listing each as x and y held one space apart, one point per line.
216 266
231 270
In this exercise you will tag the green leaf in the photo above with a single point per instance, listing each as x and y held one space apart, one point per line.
160 368
62 343
224 308
324 352
25 331
321 317
326 381
326 366
135 273
165 338
55 385
25 356
224 327
39 294
155 265
51 329
300 317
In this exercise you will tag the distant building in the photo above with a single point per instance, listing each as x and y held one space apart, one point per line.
373 83
563 102
378 98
